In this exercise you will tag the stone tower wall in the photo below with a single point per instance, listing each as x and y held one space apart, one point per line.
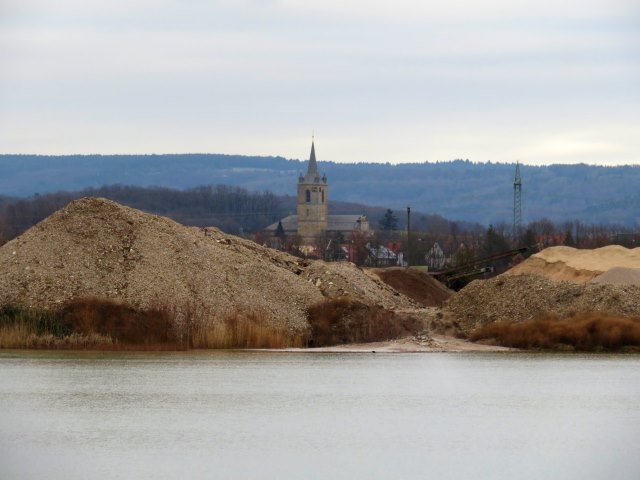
312 214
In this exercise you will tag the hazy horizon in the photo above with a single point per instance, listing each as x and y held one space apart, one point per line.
536 82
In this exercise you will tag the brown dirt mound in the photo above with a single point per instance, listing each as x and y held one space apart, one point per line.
579 266
341 321
619 276
523 297
97 248
419 286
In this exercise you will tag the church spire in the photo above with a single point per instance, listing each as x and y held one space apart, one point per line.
313 166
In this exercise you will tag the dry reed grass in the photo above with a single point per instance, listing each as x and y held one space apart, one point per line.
22 335
15 336
86 323
588 332
245 329
107 325
123 323
342 320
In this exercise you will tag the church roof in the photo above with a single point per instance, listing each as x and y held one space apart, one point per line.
343 223
313 165
335 223
312 176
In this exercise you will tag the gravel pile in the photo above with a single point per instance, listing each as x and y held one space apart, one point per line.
96 247
523 297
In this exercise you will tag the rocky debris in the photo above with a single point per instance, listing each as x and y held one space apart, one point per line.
522 297
340 279
97 247
424 339
580 266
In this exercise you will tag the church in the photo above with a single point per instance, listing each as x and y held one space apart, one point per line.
313 222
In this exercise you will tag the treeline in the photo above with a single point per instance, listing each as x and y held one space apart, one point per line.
460 246
232 209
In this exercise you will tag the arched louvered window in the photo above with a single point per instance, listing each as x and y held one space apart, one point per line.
308 196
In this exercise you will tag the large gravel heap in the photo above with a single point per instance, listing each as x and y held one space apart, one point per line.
96 247
522 297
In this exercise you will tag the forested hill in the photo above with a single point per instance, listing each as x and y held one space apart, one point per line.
458 190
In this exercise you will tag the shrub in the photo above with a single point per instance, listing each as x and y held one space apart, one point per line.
83 323
342 320
245 329
591 331
122 322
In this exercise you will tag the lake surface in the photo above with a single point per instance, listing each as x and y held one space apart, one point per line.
319 416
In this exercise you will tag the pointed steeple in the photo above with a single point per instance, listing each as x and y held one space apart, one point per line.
313 166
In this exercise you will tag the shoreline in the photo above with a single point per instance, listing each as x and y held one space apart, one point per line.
433 344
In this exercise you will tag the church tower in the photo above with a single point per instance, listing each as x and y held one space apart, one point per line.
313 197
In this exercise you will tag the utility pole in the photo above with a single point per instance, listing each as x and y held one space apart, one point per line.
517 203
408 235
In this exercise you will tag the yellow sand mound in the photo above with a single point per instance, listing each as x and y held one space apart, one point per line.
580 266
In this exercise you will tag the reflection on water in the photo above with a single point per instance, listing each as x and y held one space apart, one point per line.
289 415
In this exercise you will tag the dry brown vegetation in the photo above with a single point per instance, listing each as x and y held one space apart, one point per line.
121 322
32 328
107 325
342 320
581 332
245 329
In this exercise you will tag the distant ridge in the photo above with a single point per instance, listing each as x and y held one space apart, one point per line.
458 190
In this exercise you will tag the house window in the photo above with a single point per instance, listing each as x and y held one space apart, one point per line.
308 196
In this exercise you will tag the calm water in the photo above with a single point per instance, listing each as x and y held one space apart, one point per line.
328 416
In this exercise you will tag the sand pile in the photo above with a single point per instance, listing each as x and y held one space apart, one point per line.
417 285
96 247
523 297
580 266
619 276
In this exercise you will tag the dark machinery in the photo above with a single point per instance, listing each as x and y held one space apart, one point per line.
453 276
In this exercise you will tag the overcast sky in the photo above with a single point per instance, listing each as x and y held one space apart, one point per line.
541 81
